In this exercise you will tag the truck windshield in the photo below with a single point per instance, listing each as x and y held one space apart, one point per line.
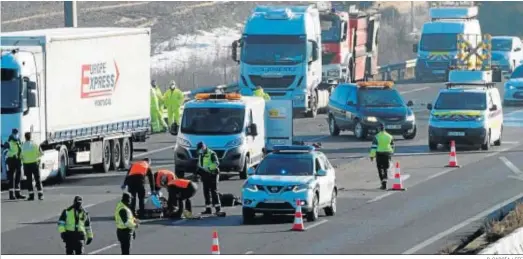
330 28
285 166
518 73
461 101
10 90
379 98
273 50
501 45
213 121
438 42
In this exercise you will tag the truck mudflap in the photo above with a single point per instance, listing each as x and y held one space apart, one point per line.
278 123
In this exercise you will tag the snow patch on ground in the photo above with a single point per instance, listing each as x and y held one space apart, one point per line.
185 51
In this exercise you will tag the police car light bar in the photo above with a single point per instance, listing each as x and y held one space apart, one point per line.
230 96
377 84
292 149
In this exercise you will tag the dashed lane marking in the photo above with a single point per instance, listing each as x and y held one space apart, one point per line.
316 224
510 165
414 90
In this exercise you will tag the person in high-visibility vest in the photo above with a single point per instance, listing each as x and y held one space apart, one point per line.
158 92
126 224
31 154
260 93
382 149
181 191
173 99
74 226
157 122
14 165
162 178
135 180
208 169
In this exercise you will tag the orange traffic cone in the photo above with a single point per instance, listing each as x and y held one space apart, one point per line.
397 184
298 218
215 247
453 159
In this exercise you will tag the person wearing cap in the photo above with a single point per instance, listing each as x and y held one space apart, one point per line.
208 169
173 98
181 191
14 165
126 223
382 149
74 226
260 93
31 154
135 180
157 122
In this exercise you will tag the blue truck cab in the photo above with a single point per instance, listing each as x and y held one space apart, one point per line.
280 51
437 47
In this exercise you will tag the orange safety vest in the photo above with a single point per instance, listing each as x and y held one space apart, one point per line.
163 172
180 183
139 168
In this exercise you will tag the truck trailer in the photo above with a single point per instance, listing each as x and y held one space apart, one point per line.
79 91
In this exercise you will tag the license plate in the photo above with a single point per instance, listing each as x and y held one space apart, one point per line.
393 127
458 134
274 201
438 72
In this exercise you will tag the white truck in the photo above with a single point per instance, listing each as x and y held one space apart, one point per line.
79 91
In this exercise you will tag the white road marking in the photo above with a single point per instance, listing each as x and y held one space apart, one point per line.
510 165
515 177
318 138
449 231
154 151
316 224
249 252
380 197
414 90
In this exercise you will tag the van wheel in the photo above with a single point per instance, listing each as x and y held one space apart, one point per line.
333 128
116 154
498 142
106 159
63 164
243 173
486 146
127 152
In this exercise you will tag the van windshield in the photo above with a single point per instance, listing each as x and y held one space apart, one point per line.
213 121
461 101
438 42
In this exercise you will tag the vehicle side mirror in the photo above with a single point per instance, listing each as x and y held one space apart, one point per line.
321 172
415 48
250 171
410 103
429 106
517 49
252 130
494 108
31 95
234 50
344 31
315 51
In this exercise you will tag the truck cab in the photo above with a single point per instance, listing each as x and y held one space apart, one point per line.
437 47
280 51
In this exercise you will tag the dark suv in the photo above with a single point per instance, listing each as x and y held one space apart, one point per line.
361 107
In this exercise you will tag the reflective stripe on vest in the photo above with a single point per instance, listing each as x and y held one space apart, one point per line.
30 153
139 168
164 173
180 183
13 149
130 224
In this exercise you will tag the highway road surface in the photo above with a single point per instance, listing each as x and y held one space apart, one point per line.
439 205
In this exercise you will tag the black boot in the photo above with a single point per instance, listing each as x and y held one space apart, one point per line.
218 210
12 195
19 196
383 185
40 196
31 197
207 211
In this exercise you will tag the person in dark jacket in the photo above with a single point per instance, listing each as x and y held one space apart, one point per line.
135 180
74 226
126 224
14 165
209 171
181 191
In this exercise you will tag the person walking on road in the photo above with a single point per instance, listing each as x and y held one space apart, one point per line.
126 224
157 121
260 93
382 149
208 169
14 165
181 191
31 154
135 180
74 226
173 100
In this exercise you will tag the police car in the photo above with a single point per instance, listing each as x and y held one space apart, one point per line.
514 87
289 174
469 111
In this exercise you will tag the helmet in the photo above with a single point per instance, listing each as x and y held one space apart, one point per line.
163 180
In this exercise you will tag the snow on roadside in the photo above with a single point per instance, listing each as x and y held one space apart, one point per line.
185 51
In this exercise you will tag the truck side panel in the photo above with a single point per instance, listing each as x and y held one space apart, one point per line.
97 85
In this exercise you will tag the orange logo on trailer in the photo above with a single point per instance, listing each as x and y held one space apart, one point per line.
99 79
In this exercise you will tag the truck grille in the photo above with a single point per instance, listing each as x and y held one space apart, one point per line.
438 64
270 82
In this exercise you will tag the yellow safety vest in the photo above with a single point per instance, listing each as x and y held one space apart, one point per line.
69 224
130 224
14 149
260 93
30 153
383 143
207 160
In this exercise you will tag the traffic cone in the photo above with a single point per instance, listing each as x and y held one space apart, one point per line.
397 184
298 218
453 159
215 247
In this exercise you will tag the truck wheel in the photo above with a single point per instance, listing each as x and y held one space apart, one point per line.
106 159
116 154
126 154
63 164
243 173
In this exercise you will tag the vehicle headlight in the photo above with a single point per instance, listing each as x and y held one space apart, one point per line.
480 118
250 187
410 117
334 72
371 119
301 188
235 142
509 86
183 142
